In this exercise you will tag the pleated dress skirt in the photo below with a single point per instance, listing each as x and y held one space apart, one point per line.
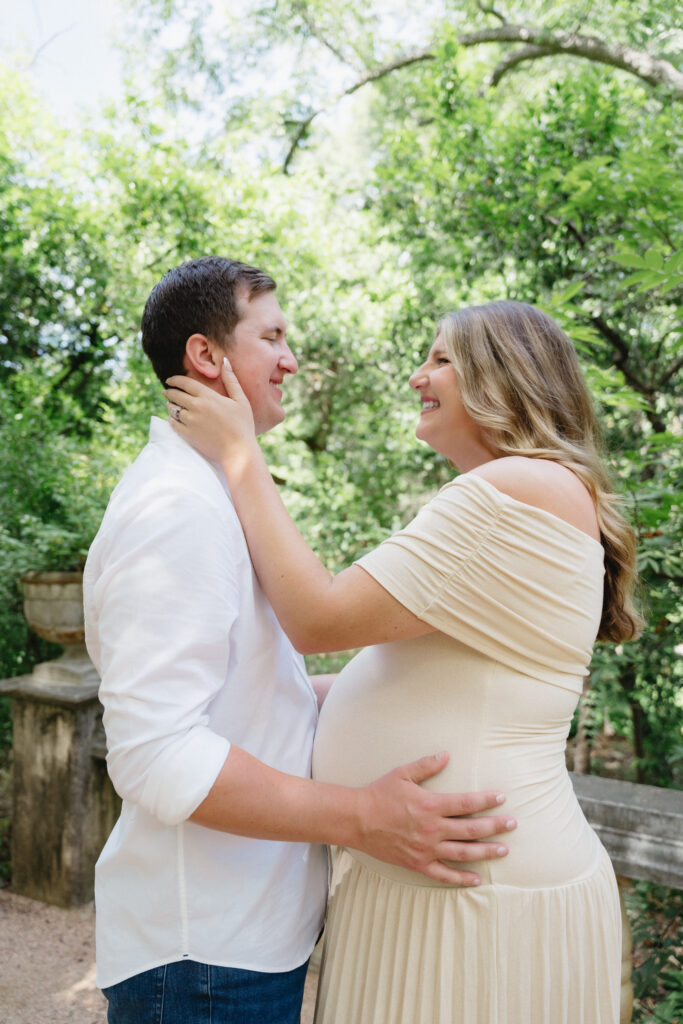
400 953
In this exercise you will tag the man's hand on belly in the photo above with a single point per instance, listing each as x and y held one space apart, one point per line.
415 828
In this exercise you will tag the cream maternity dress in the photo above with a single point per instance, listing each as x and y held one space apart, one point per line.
516 596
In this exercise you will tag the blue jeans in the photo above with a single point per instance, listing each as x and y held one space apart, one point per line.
187 992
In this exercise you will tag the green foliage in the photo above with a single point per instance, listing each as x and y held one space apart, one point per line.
54 269
656 915
53 491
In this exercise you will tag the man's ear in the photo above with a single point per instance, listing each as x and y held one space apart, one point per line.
204 356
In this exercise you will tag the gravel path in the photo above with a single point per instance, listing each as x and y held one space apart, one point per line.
47 965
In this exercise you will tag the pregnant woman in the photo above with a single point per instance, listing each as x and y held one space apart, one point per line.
478 621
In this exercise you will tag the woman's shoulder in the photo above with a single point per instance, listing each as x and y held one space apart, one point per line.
543 484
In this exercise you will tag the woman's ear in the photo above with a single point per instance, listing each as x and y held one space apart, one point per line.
203 356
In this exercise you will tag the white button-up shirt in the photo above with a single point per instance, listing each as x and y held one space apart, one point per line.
191 657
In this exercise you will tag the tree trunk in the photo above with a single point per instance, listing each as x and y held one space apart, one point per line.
582 749
627 679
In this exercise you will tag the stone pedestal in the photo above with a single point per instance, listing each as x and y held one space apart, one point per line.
64 805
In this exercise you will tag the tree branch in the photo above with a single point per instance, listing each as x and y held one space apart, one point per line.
490 9
570 226
537 43
541 42
315 31
371 75
301 133
404 61
44 46
512 60
621 356
671 371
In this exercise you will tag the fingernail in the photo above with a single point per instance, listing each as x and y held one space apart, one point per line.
476 881
511 823
500 799
501 850
225 362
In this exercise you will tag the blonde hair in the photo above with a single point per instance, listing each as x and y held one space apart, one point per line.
520 380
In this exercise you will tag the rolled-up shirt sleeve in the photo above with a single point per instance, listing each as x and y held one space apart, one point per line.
164 600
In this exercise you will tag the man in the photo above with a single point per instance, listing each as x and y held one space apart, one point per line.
211 889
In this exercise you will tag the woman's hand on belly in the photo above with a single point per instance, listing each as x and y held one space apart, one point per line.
418 829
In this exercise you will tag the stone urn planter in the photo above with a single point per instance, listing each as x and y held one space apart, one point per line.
53 607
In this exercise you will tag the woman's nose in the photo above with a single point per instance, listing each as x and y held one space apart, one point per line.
418 379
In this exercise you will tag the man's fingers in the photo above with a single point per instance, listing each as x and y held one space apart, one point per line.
458 852
467 829
455 804
454 876
425 767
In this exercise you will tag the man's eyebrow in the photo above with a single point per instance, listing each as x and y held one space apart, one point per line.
275 329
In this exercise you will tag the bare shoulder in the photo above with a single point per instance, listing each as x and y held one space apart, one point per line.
546 485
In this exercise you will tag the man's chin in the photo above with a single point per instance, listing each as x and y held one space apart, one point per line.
273 420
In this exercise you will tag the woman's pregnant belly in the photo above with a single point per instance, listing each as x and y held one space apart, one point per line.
503 730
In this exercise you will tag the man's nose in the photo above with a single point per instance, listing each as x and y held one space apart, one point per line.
287 361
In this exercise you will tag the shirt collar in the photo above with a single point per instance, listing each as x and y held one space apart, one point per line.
161 432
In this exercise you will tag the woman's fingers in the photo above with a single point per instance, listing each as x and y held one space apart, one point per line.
181 399
184 391
231 384
174 412
186 385
216 422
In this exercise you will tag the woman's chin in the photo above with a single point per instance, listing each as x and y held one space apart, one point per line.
423 433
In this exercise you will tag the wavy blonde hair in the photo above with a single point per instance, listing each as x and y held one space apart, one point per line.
520 380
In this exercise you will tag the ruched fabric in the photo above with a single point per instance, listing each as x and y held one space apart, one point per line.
510 580
515 595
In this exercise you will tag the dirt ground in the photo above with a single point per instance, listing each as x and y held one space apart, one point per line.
47 965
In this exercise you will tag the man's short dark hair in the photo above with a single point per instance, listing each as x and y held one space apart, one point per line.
197 297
